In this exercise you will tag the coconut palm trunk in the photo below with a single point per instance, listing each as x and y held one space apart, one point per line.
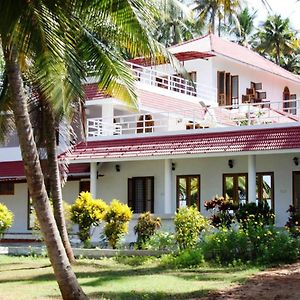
55 182
68 284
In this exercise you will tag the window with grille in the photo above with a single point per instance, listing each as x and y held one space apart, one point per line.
141 194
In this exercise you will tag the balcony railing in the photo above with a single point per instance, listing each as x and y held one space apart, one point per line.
205 117
172 82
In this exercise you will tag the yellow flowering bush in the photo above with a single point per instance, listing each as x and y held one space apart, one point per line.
87 212
6 218
188 225
117 217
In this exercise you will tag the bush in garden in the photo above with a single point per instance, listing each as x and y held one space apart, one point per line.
6 218
145 228
87 212
293 223
222 211
226 246
256 214
162 240
188 225
184 259
258 244
117 217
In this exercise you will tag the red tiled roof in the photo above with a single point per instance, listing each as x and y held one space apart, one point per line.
14 170
215 45
186 144
92 92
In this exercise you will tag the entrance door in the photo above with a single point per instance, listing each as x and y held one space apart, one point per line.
296 190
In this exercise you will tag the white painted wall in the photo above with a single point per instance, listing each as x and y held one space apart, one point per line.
10 154
114 184
17 203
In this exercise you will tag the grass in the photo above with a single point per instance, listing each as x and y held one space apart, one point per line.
122 278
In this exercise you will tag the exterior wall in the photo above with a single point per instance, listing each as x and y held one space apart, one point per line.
273 85
17 203
114 185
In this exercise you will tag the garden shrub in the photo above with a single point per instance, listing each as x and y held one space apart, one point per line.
293 223
255 214
258 244
117 217
6 218
162 240
87 212
222 211
226 246
188 225
184 259
145 228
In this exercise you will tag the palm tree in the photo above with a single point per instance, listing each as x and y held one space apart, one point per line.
223 11
175 24
275 38
246 27
52 35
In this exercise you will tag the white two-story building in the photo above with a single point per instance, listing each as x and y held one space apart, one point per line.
234 131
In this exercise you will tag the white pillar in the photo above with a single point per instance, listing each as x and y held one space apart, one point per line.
93 179
168 186
251 178
108 118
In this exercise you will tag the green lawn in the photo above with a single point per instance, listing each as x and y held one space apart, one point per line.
127 278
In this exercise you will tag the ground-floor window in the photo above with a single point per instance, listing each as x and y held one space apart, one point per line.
188 190
7 188
141 194
235 187
265 188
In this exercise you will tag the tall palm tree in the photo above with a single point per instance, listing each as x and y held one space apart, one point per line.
275 38
245 31
221 11
175 24
58 36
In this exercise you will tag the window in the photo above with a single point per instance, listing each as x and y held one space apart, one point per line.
7 188
265 188
235 187
141 194
296 190
289 105
84 186
145 124
188 190
228 88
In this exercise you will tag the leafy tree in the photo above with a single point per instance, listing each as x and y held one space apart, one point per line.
246 27
275 38
56 36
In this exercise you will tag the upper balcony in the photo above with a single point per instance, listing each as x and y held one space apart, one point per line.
173 85
196 118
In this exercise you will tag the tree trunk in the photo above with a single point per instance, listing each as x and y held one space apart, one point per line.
67 281
55 182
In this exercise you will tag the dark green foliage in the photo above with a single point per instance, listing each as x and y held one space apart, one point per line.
223 211
258 244
256 214
145 228
293 223
184 259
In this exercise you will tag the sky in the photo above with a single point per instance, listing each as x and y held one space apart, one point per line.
286 8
